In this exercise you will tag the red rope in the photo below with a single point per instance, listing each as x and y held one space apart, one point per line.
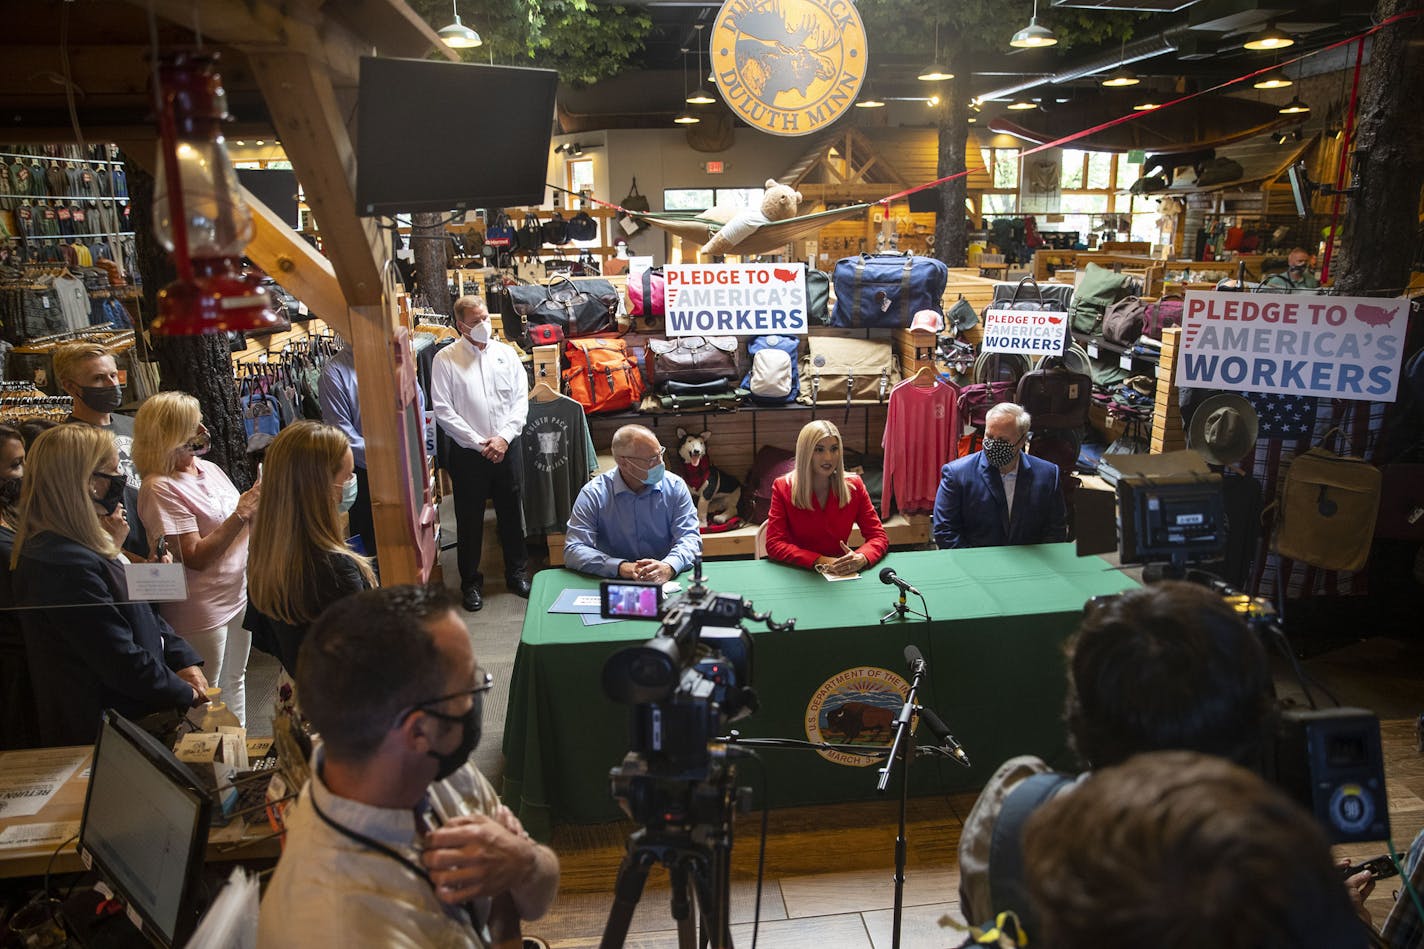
1111 123
1345 145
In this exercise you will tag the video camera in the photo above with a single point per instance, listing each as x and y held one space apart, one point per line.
686 684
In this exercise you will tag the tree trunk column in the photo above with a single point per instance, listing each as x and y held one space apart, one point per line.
952 225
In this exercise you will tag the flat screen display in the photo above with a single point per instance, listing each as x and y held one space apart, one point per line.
145 828
437 136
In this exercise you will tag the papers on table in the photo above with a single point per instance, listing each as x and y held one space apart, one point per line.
833 577
48 834
28 779
577 601
593 619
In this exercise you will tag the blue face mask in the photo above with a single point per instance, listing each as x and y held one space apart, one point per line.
348 495
655 474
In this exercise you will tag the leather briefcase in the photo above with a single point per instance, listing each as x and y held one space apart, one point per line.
692 359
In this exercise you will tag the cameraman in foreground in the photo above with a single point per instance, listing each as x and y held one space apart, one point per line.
398 840
1166 666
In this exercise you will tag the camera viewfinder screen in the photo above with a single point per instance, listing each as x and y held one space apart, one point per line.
632 600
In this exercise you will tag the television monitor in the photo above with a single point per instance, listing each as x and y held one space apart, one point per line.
417 150
1181 521
1301 188
145 829
276 188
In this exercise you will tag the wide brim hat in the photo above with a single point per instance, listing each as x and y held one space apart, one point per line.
1224 429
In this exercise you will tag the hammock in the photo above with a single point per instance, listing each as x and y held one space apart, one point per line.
691 226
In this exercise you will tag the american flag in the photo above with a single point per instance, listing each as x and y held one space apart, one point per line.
1283 416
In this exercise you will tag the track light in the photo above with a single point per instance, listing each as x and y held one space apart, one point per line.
1294 107
1020 105
1269 38
1033 36
457 35
1279 138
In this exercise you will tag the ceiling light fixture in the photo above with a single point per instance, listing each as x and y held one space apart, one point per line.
685 117
932 101
1033 36
935 72
869 100
1147 104
1121 76
701 96
1019 105
1275 79
1294 107
457 35
1269 38
1279 138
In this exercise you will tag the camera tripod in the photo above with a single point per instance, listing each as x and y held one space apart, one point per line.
700 872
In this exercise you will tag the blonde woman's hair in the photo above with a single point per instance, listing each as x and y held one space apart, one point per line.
164 422
55 496
811 433
66 358
297 526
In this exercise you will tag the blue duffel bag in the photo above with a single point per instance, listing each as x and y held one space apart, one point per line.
886 289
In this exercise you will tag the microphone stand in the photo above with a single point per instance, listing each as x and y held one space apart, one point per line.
899 748
901 609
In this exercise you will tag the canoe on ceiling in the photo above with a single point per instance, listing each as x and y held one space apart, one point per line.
1200 123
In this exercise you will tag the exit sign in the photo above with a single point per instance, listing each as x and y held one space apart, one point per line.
713 167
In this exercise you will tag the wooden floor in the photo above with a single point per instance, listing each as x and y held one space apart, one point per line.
829 871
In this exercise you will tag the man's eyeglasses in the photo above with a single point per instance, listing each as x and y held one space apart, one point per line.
486 683
646 462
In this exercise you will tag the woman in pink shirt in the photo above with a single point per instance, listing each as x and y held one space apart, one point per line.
815 506
194 504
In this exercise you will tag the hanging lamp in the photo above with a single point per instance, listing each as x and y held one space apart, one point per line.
935 72
1269 38
868 100
198 212
685 117
1275 79
457 35
701 96
1121 76
1021 105
1294 107
1033 36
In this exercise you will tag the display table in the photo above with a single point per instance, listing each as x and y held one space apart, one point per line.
237 841
1000 616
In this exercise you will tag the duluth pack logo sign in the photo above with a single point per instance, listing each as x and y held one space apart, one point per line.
856 707
788 67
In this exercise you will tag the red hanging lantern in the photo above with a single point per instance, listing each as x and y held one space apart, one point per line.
198 212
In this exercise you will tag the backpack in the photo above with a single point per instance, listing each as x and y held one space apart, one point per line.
774 378
1124 321
846 371
1327 510
886 289
555 230
260 415
1164 313
818 297
1007 889
1054 396
582 227
530 235
601 376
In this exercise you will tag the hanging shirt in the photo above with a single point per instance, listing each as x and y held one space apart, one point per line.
479 395
73 300
558 461
920 438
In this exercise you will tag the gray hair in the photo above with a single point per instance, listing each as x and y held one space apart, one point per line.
623 438
1012 410
468 302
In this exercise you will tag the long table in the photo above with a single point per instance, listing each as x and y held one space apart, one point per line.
1000 616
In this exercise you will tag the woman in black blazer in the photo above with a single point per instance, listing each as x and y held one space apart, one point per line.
90 647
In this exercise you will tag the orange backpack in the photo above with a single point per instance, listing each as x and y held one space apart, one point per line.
602 377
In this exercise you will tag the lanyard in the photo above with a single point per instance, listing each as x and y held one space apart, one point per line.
367 842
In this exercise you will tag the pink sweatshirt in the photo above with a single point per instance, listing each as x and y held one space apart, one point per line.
919 440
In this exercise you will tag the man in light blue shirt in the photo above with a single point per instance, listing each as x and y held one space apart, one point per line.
638 521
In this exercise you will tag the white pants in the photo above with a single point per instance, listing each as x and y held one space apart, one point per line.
224 650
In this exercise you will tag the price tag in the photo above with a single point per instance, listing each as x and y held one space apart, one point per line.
1125 362
1092 350
302 308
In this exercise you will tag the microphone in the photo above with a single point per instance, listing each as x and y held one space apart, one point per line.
940 730
916 660
888 577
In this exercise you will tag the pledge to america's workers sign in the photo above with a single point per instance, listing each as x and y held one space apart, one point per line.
1297 344
736 299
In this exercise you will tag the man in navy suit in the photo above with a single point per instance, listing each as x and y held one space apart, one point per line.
999 496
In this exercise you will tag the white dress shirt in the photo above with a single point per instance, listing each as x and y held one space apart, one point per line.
479 395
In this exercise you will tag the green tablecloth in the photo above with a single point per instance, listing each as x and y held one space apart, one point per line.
1000 616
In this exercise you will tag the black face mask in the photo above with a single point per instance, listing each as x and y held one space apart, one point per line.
102 399
10 492
110 499
472 723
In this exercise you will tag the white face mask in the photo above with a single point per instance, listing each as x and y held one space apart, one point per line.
479 333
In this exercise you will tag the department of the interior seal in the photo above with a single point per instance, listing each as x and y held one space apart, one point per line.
788 67
856 707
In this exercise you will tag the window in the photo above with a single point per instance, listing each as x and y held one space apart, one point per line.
1000 204
581 175
1099 175
1003 166
1072 179
700 199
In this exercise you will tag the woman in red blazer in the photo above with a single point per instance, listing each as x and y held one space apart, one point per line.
814 507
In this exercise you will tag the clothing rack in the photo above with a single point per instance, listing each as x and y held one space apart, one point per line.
16 407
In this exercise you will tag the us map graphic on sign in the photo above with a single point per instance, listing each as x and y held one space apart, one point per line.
1335 347
1030 332
788 67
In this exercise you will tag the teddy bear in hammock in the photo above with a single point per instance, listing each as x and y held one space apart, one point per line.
778 204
